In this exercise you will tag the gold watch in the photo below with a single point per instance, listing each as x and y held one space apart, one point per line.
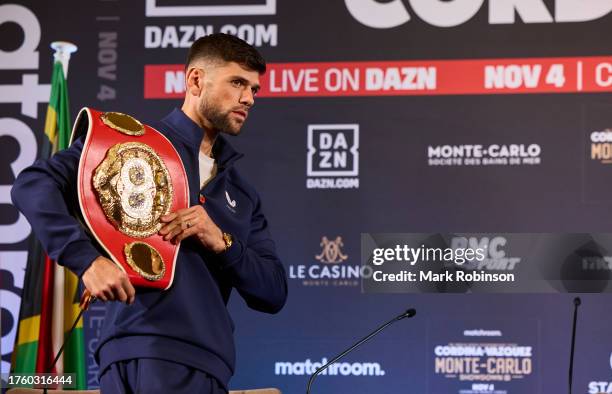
228 239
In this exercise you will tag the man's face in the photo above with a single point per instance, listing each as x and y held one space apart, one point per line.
228 96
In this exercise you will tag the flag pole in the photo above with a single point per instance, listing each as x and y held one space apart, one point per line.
61 295
38 324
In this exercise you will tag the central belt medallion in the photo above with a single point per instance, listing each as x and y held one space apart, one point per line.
134 188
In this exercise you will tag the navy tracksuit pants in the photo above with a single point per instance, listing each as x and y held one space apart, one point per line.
152 376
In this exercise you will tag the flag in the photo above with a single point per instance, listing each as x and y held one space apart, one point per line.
50 299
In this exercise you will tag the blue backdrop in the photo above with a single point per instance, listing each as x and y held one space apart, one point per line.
468 116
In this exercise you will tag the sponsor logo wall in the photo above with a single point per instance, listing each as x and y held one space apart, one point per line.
403 116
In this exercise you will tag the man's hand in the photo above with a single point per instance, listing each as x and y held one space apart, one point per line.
193 221
107 282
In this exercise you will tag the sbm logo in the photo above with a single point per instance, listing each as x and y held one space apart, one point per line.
449 13
332 150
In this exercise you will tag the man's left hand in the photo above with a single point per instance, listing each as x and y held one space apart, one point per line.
189 222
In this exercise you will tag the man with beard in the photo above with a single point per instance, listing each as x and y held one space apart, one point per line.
178 340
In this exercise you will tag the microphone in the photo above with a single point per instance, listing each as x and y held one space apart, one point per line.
409 313
577 303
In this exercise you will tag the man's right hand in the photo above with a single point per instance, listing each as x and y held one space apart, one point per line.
107 282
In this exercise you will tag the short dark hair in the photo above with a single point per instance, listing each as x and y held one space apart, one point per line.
220 46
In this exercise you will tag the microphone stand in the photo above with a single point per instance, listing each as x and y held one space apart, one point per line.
577 303
409 313
86 300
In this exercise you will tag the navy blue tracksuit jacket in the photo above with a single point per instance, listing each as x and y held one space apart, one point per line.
189 323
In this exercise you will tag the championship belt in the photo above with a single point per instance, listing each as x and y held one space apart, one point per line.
129 176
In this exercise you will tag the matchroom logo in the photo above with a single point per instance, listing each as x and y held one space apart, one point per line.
333 156
306 368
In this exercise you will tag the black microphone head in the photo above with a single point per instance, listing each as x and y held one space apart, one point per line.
409 313
577 301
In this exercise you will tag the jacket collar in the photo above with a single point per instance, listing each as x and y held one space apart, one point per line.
190 133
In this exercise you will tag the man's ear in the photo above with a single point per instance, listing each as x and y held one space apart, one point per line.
194 81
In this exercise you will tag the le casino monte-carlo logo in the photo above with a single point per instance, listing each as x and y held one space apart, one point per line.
330 266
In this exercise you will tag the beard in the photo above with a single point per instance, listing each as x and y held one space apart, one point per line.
220 119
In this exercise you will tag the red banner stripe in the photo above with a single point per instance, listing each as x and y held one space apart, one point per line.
410 78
